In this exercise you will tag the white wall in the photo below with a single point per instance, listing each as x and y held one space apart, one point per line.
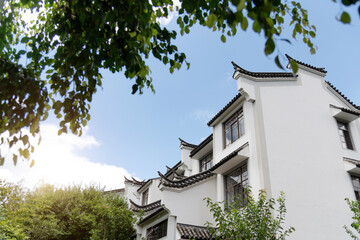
188 205
301 154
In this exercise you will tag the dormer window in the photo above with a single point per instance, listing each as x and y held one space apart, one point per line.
145 197
234 128
206 162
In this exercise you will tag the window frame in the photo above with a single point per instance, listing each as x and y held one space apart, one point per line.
206 162
145 197
154 230
241 185
345 135
235 126
356 188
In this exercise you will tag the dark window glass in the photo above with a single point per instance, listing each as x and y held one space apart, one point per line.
206 162
236 182
145 197
345 136
356 185
234 128
157 231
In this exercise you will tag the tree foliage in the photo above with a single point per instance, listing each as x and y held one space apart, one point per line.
66 213
257 220
53 63
355 225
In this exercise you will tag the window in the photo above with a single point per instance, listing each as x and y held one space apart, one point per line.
206 162
356 185
345 136
157 231
236 182
234 128
145 197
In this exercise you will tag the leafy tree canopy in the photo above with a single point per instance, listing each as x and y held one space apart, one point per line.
354 229
260 219
66 213
53 63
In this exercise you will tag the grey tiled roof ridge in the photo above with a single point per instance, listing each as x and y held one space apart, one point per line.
186 181
201 145
134 181
186 144
263 74
306 65
350 111
188 231
153 214
200 176
146 208
224 108
228 157
174 168
341 94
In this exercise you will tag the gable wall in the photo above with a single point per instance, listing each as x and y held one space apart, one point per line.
304 156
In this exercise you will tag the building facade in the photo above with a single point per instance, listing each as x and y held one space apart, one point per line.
287 132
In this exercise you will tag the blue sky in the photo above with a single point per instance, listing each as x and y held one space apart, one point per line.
138 135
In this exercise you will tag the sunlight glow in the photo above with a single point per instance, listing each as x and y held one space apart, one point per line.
58 161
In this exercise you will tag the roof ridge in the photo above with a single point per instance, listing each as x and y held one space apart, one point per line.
188 231
263 74
134 181
201 145
146 207
341 94
224 108
186 181
174 168
186 144
319 69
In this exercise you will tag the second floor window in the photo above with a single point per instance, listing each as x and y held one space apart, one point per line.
145 197
236 183
206 162
234 128
345 137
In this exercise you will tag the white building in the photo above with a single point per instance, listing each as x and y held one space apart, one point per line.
281 132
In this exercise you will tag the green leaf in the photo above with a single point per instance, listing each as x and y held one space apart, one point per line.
2 160
312 34
24 40
25 139
269 46
21 52
135 87
212 18
345 18
244 24
294 66
186 19
15 158
277 61
223 38
26 153
32 163
256 27
241 5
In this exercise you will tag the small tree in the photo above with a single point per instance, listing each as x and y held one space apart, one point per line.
355 225
257 220
63 213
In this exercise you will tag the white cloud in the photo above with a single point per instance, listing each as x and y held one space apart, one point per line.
202 115
58 161
165 21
